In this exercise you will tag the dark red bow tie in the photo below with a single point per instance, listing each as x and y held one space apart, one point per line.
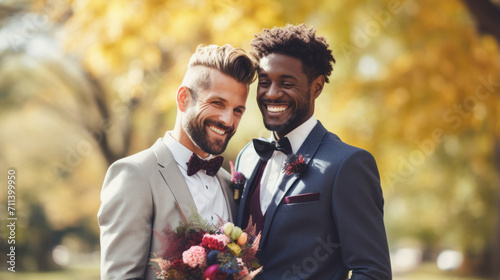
210 166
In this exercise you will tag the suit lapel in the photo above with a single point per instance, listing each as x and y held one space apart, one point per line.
167 166
254 163
308 150
227 193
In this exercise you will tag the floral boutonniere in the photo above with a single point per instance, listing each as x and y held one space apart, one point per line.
294 164
238 181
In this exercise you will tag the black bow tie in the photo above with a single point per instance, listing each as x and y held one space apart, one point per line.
211 166
266 149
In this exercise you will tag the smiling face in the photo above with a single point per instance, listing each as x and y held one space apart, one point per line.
212 119
284 94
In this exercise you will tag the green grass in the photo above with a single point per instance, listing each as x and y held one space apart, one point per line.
425 272
70 274
429 271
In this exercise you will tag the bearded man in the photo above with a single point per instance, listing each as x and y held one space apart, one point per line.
144 192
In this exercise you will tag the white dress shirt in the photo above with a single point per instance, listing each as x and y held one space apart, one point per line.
273 173
206 190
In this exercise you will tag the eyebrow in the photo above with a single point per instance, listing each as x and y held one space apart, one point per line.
225 101
281 76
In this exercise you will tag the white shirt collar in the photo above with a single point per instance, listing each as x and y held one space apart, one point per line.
299 134
180 152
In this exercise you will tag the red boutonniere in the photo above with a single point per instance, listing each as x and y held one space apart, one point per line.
238 181
294 164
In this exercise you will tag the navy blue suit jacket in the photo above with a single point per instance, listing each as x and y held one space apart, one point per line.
325 221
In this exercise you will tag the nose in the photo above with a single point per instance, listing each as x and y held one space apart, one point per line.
274 92
226 117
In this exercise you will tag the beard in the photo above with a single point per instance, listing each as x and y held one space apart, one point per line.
291 123
295 119
197 132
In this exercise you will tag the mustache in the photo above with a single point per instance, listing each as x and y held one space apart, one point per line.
229 129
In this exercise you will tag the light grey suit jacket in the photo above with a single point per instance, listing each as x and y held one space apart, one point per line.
138 197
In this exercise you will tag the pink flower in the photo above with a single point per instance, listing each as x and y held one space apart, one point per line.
194 256
164 264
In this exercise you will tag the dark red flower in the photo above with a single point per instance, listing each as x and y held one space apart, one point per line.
211 243
180 266
194 238
294 164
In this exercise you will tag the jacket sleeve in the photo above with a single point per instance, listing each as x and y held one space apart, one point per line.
125 221
358 211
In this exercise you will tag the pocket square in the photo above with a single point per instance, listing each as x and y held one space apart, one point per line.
306 197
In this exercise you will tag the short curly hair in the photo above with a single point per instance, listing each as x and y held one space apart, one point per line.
298 41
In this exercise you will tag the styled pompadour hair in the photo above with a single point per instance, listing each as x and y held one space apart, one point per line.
231 61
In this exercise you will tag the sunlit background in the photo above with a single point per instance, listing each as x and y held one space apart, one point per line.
416 83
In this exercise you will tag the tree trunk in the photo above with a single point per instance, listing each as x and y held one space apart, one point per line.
495 256
487 16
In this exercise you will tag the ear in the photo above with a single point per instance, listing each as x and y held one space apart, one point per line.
183 98
317 86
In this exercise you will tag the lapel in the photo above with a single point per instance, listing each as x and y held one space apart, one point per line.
227 193
252 165
308 150
173 176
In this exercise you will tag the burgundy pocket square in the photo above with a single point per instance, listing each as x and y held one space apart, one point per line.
306 197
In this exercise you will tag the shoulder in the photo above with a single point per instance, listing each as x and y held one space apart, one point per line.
247 153
342 149
139 159
339 155
248 149
330 146
133 172
133 166
247 160
143 161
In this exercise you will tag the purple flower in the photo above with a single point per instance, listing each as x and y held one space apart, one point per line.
238 181
238 178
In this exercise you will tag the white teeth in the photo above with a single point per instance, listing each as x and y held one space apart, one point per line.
217 130
275 109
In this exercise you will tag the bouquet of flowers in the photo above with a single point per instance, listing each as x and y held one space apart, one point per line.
200 250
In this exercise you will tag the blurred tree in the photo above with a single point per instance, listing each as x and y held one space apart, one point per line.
423 92
487 16
108 94
415 83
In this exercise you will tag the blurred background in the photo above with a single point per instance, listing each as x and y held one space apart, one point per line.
416 83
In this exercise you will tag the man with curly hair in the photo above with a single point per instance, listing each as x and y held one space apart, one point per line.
317 200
